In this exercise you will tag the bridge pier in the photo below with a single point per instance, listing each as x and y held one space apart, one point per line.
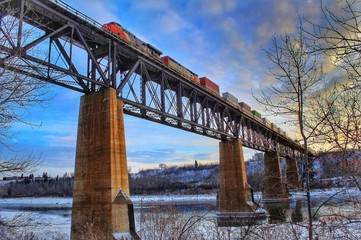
101 189
235 196
274 187
293 179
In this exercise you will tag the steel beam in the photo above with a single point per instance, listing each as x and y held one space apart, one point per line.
163 95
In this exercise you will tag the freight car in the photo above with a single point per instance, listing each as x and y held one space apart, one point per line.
232 100
117 30
266 122
229 97
257 114
209 85
245 106
173 64
285 134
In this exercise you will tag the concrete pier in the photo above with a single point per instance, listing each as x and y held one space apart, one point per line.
235 199
101 190
234 192
293 179
274 187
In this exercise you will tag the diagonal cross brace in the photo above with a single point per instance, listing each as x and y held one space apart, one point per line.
71 65
126 79
91 55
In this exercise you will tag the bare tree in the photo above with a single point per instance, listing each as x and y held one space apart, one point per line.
298 74
19 164
18 93
339 36
167 223
341 130
326 112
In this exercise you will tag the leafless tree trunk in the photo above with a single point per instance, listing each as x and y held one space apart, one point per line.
326 112
298 75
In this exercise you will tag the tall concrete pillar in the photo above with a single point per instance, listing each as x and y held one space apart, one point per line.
293 179
101 189
234 192
274 187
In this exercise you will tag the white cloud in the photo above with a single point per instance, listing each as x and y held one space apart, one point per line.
101 11
171 22
151 5
215 7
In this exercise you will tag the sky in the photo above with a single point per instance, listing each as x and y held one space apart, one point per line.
220 39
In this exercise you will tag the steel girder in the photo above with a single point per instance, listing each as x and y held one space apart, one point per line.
77 54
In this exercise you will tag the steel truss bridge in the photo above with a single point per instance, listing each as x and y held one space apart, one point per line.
56 43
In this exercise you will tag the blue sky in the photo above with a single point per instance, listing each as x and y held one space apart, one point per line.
220 39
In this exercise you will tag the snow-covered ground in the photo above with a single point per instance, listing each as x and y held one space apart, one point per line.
55 213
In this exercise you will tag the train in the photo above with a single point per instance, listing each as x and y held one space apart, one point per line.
118 31
173 64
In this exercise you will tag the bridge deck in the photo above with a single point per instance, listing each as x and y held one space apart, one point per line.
148 88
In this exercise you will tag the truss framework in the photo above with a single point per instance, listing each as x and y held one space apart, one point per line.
148 88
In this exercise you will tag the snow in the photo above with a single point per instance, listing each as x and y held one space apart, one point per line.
57 211
173 199
122 236
39 201
2 182
180 174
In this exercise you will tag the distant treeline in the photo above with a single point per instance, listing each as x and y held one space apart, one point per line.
173 180
195 179
52 187
329 171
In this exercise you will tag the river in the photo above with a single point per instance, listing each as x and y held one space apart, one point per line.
51 217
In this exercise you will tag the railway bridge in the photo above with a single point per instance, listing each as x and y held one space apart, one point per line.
123 76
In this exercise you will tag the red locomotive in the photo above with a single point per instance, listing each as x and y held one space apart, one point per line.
116 29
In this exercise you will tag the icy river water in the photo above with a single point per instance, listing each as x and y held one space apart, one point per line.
54 214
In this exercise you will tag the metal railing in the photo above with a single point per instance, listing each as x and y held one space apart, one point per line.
79 14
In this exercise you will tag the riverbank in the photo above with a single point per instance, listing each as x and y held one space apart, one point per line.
55 213
339 194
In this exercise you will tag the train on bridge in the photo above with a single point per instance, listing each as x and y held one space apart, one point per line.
121 33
